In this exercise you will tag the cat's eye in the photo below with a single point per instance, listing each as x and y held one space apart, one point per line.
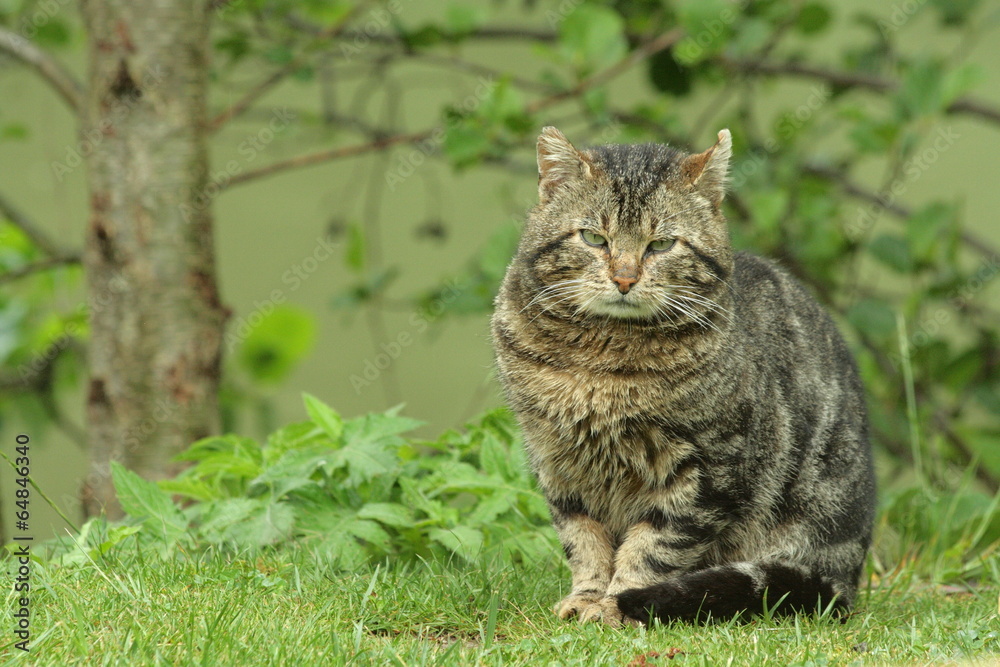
660 246
592 238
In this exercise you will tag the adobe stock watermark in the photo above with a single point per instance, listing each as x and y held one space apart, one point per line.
92 137
912 170
556 16
900 15
419 322
691 48
248 149
407 163
375 22
293 278
931 325
817 98
42 12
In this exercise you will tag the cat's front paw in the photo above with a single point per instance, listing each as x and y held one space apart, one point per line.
606 611
575 604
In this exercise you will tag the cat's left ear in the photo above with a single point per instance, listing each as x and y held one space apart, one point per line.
706 172
558 162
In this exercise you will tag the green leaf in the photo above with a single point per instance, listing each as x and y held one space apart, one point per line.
354 254
768 207
324 416
813 18
893 251
493 457
921 92
959 81
391 514
463 19
142 499
927 227
667 75
465 144
282 338
708 24
592 37
874 317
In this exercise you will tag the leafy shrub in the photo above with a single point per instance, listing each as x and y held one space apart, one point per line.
351 490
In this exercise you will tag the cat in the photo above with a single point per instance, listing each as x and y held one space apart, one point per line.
695 421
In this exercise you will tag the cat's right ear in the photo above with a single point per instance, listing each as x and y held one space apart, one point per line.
558 162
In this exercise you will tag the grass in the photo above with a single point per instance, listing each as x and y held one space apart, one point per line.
284 608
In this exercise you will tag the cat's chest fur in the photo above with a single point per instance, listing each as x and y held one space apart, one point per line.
604 421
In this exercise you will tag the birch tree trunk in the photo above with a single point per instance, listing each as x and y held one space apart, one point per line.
155 315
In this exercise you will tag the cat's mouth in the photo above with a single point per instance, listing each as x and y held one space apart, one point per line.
622 306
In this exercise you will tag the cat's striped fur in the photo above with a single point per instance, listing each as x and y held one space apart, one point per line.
694 419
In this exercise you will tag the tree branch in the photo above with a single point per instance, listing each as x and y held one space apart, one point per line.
48 67
277 77
20 220
898 210
327 155
850 80
35 267
641 53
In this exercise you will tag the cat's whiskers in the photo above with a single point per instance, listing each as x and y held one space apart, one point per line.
687 310
552 290
685 293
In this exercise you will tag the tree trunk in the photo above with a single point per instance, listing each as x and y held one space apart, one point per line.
155 315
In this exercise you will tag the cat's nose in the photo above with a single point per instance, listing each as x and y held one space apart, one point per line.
625 282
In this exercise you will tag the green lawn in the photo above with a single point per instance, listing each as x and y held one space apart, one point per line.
281 608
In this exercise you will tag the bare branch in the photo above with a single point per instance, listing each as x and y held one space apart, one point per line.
48 67
639 54
327 155
664 41
277 77
851 80
485 33
35 267
30 228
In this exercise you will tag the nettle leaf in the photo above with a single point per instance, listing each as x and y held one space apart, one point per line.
462 541
293 436
494 458
142 499
324 416
293 471
267 523
379 426
592 37
391 514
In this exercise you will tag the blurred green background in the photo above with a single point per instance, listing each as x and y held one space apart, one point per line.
415 255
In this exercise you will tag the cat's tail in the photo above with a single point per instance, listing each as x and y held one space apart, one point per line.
741 588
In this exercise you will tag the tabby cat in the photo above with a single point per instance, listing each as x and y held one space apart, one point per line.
694 419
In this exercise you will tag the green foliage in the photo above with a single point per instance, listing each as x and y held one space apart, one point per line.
352 491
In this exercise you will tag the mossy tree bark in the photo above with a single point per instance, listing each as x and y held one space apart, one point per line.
155 314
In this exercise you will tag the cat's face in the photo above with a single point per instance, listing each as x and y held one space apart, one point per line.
629 232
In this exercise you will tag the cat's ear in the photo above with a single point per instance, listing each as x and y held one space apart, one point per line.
706 172
558 162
